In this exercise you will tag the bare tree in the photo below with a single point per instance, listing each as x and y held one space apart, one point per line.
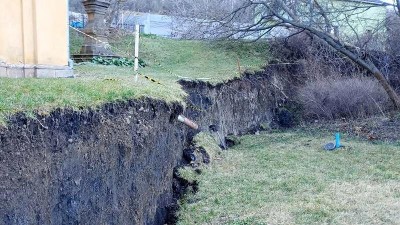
152 6
393 31
199 18
76 6
317 19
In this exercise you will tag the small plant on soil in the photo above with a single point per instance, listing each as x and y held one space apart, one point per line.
117 61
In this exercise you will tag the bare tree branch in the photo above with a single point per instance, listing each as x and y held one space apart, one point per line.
281 14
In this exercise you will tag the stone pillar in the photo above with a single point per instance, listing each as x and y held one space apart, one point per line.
96 43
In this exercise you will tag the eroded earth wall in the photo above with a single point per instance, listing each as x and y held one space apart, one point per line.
114 165
107 166
237 107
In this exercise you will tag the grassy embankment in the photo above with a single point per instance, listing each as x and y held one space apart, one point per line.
168 61
286 178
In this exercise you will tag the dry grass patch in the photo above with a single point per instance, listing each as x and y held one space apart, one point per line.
366 202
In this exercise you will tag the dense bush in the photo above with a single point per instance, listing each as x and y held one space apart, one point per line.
342 97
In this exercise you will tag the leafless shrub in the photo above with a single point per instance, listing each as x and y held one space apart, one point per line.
316 58
343 97
328 84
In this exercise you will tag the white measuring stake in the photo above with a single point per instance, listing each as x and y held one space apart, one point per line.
136 51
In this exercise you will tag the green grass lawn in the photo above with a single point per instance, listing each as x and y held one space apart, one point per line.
167 61
286 178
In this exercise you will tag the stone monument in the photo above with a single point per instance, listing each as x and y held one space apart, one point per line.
96 42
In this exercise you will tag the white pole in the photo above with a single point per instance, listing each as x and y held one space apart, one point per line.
136 51
122 18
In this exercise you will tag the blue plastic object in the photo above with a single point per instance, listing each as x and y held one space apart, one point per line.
329 146
76 24
337 140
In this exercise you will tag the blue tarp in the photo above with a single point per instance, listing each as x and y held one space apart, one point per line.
76 24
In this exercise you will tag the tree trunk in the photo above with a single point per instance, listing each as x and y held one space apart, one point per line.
398 7
389 90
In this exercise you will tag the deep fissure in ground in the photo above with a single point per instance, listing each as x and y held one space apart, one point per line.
115 164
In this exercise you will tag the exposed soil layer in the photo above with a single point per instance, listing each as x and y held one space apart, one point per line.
107 166
237 107
115 164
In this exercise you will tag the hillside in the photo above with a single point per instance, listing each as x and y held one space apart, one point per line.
167 61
